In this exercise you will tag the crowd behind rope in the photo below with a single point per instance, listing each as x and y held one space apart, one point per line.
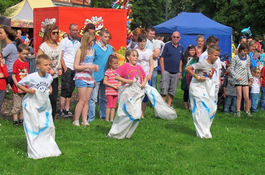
90 66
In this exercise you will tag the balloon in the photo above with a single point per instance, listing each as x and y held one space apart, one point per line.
246 31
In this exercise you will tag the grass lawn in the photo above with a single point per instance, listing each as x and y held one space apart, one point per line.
157 147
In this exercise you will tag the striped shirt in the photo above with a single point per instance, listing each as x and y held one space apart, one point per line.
86 75
111 80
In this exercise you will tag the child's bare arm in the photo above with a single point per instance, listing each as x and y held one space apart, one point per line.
105 81
144 82
50 90
15 83
123 80
23 88
189 69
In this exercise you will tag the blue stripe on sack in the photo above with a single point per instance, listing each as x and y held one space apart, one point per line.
212 117
154 99
25 105
194 106
125 110
46 125
205 106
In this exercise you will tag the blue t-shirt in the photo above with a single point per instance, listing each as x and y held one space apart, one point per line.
101 58
172 56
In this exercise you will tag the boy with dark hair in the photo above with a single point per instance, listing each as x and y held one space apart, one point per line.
20 70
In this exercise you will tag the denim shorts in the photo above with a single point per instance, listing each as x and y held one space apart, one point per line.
81 83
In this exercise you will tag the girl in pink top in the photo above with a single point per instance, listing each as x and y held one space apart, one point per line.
131 71
112 87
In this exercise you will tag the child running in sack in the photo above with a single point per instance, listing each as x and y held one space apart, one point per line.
3 76
37 110
124 124
255 89
112 87
202 92
84 80
20 70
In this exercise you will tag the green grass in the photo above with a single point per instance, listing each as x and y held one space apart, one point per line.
157 147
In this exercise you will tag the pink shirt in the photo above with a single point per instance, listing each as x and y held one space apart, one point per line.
111 80
131 72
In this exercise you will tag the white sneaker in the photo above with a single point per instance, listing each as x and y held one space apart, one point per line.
76 123
85 123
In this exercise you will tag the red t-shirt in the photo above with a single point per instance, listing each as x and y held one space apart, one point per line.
263 76
21 70
3 69
111 80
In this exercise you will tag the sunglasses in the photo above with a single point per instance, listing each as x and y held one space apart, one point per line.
243 37
54 33
176 37
93 28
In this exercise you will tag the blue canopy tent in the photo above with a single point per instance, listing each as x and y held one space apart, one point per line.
189 25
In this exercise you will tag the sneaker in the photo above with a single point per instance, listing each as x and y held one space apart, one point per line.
20 121
62 113
248 114
85 123
76 123
238 113
68 113
15 123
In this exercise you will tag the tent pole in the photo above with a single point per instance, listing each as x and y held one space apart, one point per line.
166 9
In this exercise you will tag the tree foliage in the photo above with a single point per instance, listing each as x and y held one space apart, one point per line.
238 14
147 12
5 4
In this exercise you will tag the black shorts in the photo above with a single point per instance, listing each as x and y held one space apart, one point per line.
68 83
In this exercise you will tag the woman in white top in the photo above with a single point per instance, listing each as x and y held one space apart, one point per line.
53 49
145 60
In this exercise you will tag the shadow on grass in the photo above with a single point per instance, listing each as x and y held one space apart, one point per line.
20 144
180 128
103 129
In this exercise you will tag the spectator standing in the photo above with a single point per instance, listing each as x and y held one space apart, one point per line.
53 49
69 45
150 35
229 93
190 57
112 87
102 52
252 54
261 57
255 89
240 70
171 55
3 76
158 45
200 45
20 70
262 81
84 81
145 60
10 51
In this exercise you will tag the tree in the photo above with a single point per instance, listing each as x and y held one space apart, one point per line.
148 12
5 4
